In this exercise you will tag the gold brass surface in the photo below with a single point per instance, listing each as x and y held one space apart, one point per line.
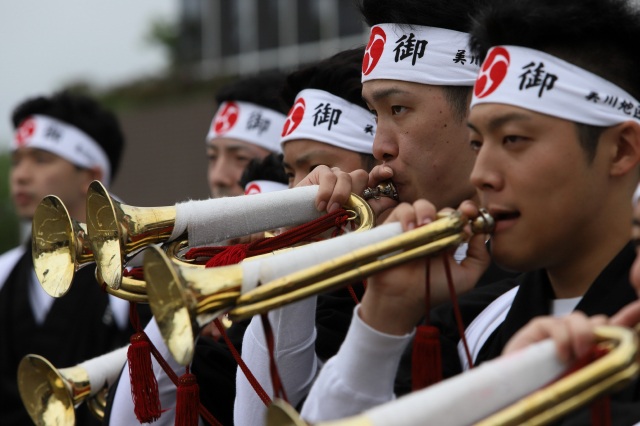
607 374
178 295
48 394
117 230
59 246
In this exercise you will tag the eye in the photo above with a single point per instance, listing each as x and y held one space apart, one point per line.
243 159
397 109
475 145
375 115
513 139
42 158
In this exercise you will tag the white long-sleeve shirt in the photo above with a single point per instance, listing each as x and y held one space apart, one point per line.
295 334
359 376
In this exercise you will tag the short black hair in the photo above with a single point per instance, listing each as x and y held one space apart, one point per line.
339 75
268 168
600 36
261 89
82 112
456 15
449 14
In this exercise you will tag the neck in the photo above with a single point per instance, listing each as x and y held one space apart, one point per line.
576 272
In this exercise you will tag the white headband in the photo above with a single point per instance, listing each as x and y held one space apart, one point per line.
540 82
324 117
263 186
248 122
419 54
64 140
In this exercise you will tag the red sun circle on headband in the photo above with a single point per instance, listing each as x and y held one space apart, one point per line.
253 188
25 131
374 50
294 118
493 72
227 118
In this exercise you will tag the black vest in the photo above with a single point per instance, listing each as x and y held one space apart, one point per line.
78 327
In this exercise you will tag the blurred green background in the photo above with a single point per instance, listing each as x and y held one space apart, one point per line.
9 224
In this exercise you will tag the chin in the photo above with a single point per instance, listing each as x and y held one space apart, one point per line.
512 262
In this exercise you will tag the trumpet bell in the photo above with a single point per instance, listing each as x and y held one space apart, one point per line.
60 246
50 395
178 295
117 230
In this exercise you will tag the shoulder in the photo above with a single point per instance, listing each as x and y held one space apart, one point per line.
8 260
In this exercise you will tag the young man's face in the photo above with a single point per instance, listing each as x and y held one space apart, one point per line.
534 177
301 156
36 173
421 140
227 160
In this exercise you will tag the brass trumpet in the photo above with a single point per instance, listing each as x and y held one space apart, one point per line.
61 246
51 395
118 230
446 232
607 374
183 300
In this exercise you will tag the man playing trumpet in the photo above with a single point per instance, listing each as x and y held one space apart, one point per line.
557 140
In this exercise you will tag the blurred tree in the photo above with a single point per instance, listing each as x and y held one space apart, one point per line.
166 35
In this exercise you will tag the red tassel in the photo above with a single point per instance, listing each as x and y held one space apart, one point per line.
144 386
188 400
426 365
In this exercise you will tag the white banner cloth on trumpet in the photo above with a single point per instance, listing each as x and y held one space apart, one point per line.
263 270
105 369
219 219
484 390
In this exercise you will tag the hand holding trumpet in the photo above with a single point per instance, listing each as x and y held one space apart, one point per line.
394 300
336 186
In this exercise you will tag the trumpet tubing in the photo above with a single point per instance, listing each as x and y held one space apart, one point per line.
118 230
446 232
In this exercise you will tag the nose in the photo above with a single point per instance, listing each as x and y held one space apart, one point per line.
385 147
486 174
21 171
219 173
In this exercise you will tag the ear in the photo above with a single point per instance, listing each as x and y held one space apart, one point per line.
626 148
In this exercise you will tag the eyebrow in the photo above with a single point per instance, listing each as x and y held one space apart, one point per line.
385 93
305 158
496 122
230 147
635 222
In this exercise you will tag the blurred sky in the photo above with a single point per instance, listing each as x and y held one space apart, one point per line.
46 44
